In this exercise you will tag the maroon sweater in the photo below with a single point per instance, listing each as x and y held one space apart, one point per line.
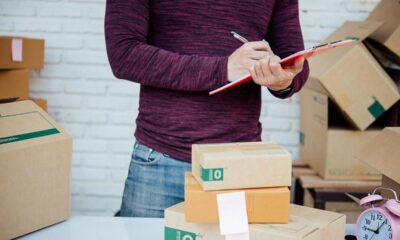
178 51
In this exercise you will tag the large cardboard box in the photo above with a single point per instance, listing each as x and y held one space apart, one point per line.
388 11
241 165
305 223
35 170
264 205
327 148
14 84
42 103
353 78
32 51
352 210
389 183
383 154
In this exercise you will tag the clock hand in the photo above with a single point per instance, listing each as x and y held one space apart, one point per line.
375 232
379 228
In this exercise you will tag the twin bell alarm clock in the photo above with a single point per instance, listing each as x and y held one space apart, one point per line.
381 219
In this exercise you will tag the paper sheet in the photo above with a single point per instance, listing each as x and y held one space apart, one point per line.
233 221
16 50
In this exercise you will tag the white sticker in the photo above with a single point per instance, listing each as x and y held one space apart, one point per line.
233 221
16 50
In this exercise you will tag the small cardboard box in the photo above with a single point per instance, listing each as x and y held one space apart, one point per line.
32 51
241 165
35 170
383 154
14 84
389 183
328 149
388 11
305 224
353 78
42 103
264 205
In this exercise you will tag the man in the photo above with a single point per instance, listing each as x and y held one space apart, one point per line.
178 51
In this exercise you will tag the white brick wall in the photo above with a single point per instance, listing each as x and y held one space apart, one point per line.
99 111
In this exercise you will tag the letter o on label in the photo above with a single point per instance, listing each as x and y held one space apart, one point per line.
217 174
187 237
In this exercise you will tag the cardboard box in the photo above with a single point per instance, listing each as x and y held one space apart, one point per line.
241 165
32 53
327 148
305 223
35 170
264 205
353 78
42 103
388 11
382 153
389 183
14 84
351 209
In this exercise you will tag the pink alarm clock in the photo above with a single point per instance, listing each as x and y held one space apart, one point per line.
381 219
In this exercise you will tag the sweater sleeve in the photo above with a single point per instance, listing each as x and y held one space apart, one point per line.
285 37
133 59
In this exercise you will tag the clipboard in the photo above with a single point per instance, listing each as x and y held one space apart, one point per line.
316 50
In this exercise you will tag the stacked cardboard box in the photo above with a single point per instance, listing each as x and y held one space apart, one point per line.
35 170
262 170
17 56
383 154
350 97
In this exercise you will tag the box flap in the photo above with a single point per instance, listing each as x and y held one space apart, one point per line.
351 29
387 11
382 153
24 123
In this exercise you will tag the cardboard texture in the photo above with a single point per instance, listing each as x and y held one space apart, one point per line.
14 84
32 53
351 209
388 12
390 183
382 153
42 103
353 78
305 223
35 170
241 165
264 205
330 150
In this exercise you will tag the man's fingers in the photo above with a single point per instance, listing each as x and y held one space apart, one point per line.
297 67
258 45
269 49
275 66
259 70
258 55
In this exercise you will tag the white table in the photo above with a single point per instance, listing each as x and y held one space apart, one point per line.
99 228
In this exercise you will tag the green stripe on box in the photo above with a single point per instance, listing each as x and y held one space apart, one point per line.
301 135
25 136
376 109
175 234
212 174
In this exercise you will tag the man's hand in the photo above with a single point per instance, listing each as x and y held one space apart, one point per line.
269 73
245 57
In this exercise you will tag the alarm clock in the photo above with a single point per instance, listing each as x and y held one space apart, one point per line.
381 219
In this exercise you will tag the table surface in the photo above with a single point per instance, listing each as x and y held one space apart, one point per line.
99 228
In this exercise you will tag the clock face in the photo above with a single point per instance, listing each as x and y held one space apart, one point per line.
373 225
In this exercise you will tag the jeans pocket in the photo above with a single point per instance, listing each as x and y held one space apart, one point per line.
143 155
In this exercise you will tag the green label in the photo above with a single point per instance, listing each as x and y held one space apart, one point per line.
25 136
212 174
376 109
175 234
301 136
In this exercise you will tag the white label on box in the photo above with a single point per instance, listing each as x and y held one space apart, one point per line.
16 50
233 220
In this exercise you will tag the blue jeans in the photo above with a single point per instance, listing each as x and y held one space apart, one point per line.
155 182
